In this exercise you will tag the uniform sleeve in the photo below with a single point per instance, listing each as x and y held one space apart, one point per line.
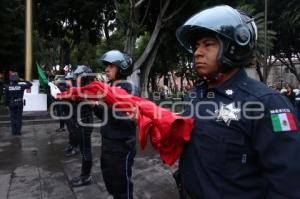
25 84
122 120
28 85
276 139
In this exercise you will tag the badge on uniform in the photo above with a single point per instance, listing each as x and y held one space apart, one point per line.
228 112
229 92
282 122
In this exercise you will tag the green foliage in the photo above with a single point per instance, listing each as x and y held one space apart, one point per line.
141 44
78 32
289 24
44 51
12 35
292 14
260 23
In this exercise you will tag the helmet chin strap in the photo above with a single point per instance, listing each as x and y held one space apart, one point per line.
217 76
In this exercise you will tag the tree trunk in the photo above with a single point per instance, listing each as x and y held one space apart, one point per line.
174 81
260 75
65 53
153 82
154 36
131 33
145 71
181 81
142 59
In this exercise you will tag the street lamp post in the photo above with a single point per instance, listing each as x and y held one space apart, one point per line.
266 49
281 77
28 39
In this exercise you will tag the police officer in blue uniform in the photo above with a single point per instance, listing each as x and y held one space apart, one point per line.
246 139
14 93
72 148
82 119
60 109
119 133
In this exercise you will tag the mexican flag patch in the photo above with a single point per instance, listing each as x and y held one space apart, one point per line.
283 122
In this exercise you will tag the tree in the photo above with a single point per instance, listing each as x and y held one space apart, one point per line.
288 40
271 37
12 35
161 15
72 23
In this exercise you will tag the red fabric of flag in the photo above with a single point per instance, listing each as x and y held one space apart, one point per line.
168 132
291 121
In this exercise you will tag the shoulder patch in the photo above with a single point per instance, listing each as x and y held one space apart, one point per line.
283 121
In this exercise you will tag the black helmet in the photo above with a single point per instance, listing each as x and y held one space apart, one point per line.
122 60
82 70
236 32
14 77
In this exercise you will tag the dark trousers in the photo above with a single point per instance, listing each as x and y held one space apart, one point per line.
86 150
116 165
16 119
181 190
60 112
73 134
61 124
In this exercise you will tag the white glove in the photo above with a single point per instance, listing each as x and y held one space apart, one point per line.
54 90
283 90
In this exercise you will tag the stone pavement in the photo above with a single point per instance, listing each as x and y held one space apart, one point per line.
33 166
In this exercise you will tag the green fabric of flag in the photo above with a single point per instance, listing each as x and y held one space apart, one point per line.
42 76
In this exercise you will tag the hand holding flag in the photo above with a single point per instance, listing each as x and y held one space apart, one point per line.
54 90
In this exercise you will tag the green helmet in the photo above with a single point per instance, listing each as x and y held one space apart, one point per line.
235 30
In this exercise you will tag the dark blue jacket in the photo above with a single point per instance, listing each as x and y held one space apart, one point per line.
14 93
115 128
245 144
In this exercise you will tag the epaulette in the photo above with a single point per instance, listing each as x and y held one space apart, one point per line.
256 88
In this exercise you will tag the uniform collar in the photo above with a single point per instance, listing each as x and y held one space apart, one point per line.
230 87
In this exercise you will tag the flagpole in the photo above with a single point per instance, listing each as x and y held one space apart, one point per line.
28 39
265 69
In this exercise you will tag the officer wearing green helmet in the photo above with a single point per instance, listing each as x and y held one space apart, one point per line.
246 139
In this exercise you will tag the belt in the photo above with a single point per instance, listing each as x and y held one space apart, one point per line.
119 145
17 100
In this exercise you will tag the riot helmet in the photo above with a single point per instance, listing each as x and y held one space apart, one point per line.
14 77
70 75
235 30
120 59
84 72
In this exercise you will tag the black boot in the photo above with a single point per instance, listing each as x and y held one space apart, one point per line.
81 181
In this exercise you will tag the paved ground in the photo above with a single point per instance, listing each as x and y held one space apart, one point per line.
33 166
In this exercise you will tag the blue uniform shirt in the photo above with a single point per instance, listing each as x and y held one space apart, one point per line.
115 128
245 143
14 93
